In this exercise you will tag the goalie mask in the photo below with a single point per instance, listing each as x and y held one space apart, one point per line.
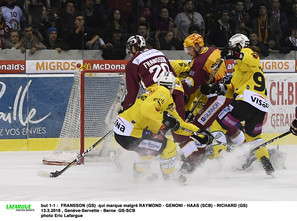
167 80
137 41
238 39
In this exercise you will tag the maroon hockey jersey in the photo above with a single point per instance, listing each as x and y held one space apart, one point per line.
144 67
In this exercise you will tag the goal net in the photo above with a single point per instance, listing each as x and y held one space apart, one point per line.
90 115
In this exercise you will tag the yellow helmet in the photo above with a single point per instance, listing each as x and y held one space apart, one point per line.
193 39
180 66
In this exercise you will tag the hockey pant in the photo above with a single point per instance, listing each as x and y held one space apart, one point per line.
147 148
241 111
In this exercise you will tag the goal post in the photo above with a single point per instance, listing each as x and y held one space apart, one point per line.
89 115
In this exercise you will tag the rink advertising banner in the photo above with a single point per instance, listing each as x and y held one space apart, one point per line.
12 66
33 107
52 66
105 65
270 66
282 96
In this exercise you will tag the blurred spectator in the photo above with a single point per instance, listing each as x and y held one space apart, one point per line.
168 41
158 5
31 40
116 50
266 25
12 40
66 23
116 22
164 22
187 18
125 7
3 29
220 33
141 20
290 43
258 46
80 37
240 19
206 10
52 41
94 22
273 47
40 17
280 16
13 15
293 16
251 8
145 32
219 5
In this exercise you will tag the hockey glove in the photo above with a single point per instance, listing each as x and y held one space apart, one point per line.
293 127
170 122
236 53
205 89
219 89
203 137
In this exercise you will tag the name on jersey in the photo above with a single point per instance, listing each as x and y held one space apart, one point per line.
256 100
122 127
153 61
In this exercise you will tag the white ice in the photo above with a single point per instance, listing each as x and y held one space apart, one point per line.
217 180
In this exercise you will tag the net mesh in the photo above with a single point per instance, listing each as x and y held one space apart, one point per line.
101 92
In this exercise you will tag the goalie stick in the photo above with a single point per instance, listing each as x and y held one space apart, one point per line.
190 115
76 160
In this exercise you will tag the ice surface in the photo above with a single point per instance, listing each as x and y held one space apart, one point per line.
217 180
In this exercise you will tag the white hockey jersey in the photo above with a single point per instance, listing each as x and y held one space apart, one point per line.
12 17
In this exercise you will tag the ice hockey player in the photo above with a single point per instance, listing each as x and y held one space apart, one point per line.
139 128
250 104
204 62
145 67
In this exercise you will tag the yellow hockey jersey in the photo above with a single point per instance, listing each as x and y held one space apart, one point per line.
147 113
248 81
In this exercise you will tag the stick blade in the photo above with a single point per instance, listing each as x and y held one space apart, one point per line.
43 173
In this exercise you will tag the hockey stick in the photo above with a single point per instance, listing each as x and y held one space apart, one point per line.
58 173
276 138
272 140
190 115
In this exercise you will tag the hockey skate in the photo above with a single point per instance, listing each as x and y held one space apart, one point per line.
249 161
267 165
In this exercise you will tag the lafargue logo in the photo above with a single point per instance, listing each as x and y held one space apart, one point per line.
19 207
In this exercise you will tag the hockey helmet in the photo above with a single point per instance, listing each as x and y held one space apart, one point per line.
137 41
240 39
193 39
167 80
